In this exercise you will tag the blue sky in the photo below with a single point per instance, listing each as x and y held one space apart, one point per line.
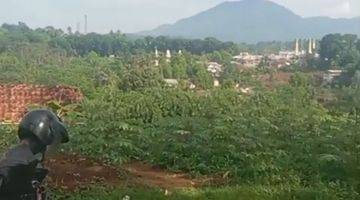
137 15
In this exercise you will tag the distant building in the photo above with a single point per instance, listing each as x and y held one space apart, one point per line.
312 47
168 55
287 55
278 63
330 75
314 44
297 47
246 59
192 86
310 50
216 83
171 82
246 90
156 57
214 68
283 59
279 60
175 83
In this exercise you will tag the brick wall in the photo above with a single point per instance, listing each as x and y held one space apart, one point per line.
14 99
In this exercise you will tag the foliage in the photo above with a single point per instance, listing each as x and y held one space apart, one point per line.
113 43
7 136
340 51
226 193
280 143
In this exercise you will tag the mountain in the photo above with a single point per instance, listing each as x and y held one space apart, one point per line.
253 21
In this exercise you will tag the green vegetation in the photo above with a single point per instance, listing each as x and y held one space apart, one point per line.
271 144
240 21
13 37
340 51
224 193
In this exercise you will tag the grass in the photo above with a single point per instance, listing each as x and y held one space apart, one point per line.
8 137
243 192
223 193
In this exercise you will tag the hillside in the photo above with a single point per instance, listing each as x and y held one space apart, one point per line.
252 21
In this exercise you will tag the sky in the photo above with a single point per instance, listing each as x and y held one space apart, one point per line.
137 15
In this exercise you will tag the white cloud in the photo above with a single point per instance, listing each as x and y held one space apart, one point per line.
340 9
332 8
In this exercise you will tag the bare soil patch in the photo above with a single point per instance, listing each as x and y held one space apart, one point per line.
147 175
72 172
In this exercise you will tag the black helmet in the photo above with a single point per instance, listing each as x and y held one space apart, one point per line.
44 125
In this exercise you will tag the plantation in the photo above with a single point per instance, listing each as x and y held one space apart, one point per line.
278 143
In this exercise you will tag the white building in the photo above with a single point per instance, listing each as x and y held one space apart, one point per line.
248 60
171 82
168 55
156 57
192 86
216 83
215 69
331 75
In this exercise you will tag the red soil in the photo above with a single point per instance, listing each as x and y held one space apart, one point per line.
71 172
146 175
275 79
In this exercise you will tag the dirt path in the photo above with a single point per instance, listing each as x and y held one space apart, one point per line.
143 174
74 172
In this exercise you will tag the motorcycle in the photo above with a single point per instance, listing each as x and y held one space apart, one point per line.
38 186
34 190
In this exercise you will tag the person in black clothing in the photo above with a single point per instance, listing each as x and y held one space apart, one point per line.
21 169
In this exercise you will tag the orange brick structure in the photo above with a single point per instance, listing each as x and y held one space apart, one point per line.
14 99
